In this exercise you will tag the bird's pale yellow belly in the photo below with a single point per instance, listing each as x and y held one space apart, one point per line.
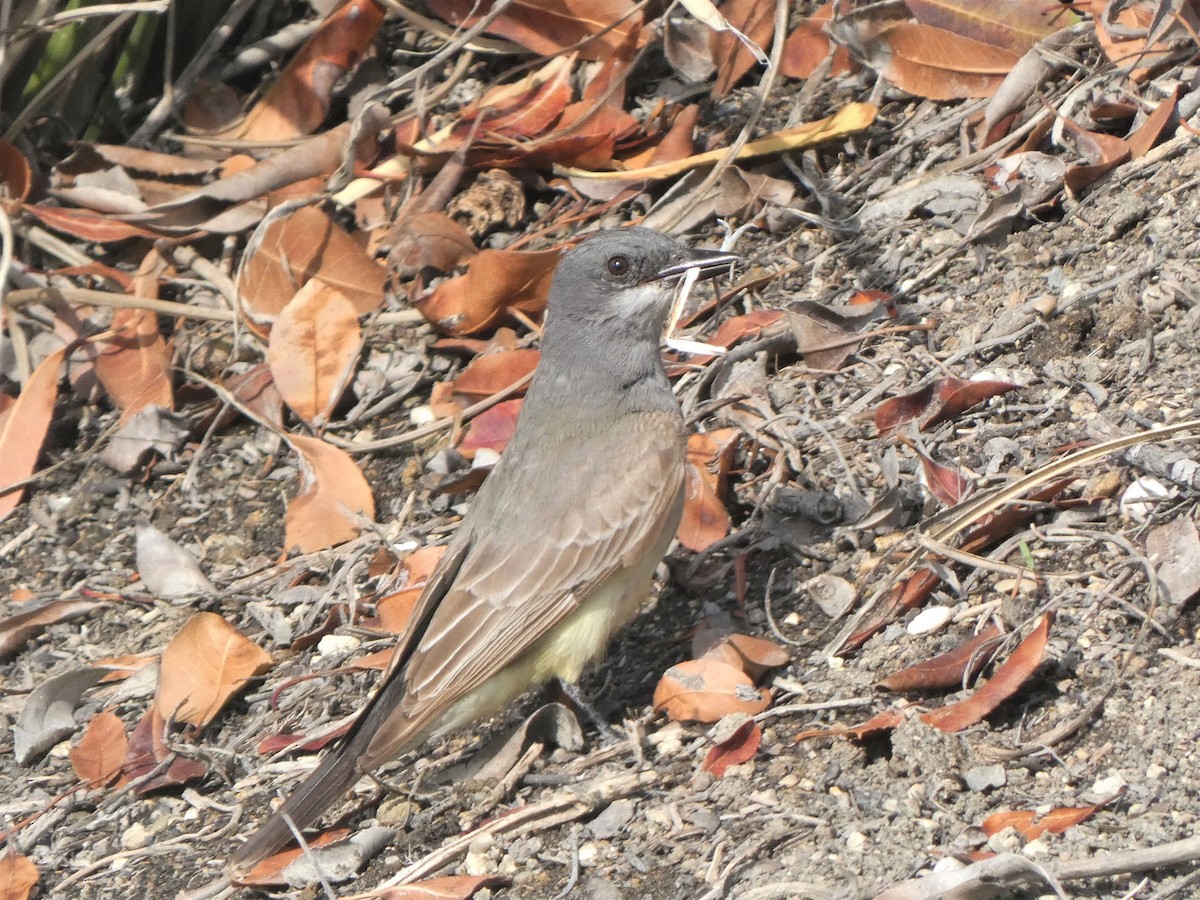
579 640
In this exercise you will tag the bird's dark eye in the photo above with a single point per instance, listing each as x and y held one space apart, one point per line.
617 266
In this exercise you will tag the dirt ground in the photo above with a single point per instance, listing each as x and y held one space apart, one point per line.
1091 307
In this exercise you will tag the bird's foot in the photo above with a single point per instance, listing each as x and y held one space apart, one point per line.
584 707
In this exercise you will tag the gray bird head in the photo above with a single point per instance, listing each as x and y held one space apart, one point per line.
623 280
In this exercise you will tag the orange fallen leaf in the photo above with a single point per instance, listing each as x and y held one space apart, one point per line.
948 485
98 757
134 365
493 372
941 65
395 608
492 429
269 872
18 875
313 349
808 45
754 19
23 429
147 753
307 245
333 493
297 103
550 26
204 665
705 690
1032 826
705 519
946 669
495 281
16 630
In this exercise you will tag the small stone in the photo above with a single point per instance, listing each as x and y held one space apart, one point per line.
612 820
1045 305
982 778
1140 498
930 619
135 837
589 854
856 841
1109 785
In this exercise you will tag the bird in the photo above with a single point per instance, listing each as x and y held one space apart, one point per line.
559 546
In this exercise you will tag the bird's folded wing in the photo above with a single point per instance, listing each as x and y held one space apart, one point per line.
521 579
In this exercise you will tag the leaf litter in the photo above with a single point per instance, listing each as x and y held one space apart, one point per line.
1095 332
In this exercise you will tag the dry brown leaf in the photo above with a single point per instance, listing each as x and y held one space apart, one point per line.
493 372
18 875
100 753
135 364
1032 825
147 753
808 45
395 609
756 20
946 670
304 246
492 429
495 281
24 428
705 519
204 665
1014 25
736 749
313 349
706 690
270 871
549 27
941 65
297 103
16 630
1009 677
15 175
333 494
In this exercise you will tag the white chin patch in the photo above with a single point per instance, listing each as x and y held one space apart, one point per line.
637 300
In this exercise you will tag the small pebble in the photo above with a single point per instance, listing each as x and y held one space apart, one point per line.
930 619
982 778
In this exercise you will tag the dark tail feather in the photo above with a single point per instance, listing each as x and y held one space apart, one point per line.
335 775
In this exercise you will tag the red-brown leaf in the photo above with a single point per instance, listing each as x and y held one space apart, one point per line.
946 669
1009 677
333 493
100 753
734 750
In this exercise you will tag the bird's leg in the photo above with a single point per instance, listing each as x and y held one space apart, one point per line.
575 696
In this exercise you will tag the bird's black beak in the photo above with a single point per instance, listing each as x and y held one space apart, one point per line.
709 263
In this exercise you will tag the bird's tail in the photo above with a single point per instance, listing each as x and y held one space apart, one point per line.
335 775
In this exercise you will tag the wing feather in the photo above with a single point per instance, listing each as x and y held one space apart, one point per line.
527 573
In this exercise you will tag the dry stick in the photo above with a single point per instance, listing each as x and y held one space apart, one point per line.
181 89
433 427
576 802
946 525
166 307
